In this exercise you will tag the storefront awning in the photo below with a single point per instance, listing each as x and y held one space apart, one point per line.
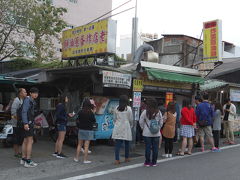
13 80
155 74
212 84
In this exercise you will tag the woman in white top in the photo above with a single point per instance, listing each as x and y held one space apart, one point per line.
123 121
151 140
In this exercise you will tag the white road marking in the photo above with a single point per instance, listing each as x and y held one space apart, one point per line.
100 173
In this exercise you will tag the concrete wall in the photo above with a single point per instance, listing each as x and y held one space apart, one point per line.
170 59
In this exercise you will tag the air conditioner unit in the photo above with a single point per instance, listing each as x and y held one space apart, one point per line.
151 56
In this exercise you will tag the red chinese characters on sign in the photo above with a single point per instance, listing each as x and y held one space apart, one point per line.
103 36
213 42
66 44
77 42
82 40
95 38
71 43
89 39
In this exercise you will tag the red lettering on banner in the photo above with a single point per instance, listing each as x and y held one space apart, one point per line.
213 35
82 40
102 36
77 42
95 37
89 39
66 44
72 43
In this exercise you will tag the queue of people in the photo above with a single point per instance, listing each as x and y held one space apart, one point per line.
204 120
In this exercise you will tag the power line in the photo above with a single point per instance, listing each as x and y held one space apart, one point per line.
110 12
120 12
187 54
197 50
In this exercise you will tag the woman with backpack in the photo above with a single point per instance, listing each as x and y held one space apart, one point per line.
123 121
169 129
151 122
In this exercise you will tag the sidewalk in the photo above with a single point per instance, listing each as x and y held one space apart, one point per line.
51 166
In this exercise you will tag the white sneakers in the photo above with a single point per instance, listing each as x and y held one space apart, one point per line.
87 162
89 152
22 162
75 159
31 164
84 162
167 155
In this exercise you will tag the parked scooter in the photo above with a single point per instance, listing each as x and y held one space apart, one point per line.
6 136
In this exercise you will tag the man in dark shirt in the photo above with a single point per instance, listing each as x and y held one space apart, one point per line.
28 125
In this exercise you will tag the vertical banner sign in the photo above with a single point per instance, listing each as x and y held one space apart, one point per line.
212 41
169 97
137 99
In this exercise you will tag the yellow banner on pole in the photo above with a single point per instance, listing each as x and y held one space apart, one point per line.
212 41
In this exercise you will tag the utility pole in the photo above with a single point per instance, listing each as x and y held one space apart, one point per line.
134 32
136 109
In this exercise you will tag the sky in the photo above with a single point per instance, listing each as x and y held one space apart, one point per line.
180 17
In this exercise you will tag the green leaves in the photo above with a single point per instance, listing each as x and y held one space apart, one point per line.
35 22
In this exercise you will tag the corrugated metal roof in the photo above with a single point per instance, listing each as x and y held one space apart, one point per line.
229 65
212 84
169 68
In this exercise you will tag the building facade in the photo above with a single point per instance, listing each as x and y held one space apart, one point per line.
187 51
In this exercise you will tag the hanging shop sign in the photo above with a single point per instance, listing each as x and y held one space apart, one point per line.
91 39
137 85
116 79
169 97
167 86
212 41
235 95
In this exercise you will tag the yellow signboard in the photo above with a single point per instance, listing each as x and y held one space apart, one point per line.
212 41
137 85
167 84
94 38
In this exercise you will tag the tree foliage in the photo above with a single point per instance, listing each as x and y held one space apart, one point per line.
29 26
46 24
13 14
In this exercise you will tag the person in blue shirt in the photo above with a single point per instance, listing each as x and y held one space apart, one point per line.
28 128
61 123
205 115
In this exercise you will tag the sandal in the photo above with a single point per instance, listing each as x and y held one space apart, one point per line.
188 153
179 154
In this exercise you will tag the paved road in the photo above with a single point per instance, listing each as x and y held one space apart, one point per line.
207 166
